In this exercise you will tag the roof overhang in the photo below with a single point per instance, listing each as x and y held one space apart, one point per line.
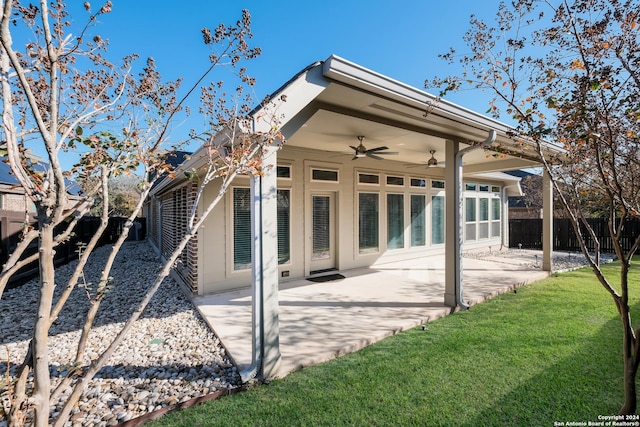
328 104
334 101
510 183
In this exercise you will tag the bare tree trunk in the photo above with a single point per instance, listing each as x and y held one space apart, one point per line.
629 343
41 378
88 324
16 413
630 369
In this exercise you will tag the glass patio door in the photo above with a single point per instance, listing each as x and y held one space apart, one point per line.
322 232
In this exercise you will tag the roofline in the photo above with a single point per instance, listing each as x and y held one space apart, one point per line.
274 94
346 72
340 70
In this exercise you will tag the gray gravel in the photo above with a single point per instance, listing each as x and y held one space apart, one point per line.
528 258
170 355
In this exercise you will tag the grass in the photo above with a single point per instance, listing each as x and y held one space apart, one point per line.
549 353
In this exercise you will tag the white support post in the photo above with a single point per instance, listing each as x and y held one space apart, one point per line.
453 267
504 213
547 222
270 299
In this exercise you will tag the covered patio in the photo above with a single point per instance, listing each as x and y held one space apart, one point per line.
321 321
391 212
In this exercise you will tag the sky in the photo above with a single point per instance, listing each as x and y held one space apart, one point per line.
400 39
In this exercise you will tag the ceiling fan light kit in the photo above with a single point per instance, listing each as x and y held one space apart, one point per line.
361 151
432 162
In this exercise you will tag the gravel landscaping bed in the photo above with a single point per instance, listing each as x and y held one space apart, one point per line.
527 258
169 356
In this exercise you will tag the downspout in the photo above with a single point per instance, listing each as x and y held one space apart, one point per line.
251 371
458 230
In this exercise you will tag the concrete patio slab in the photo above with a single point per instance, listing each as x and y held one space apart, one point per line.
321 321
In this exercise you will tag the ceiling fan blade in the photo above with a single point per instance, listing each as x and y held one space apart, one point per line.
387 153
378 149
373 156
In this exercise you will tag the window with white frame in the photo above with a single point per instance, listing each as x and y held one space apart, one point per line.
418 182
324 175
395 221
283 172
368 225
483 218
482 205
418 220
437 184
470 218
420 207
284 226
496 211
242 227
437 219
368 178
397 181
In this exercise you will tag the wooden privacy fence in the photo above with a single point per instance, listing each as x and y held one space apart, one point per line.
528 233
12 223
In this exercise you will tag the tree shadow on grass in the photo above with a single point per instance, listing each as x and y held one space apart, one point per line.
578 388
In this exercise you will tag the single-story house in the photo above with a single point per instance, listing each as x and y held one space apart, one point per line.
372 171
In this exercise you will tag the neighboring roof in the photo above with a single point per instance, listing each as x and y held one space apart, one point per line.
7 177
176 158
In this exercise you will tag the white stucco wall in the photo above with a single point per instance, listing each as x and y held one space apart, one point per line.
215 244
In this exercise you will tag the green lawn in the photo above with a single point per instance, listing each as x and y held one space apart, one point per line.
549 353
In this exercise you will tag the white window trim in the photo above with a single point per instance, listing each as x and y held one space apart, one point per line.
285 165
396 186
404 220
369 184
324 181
358 252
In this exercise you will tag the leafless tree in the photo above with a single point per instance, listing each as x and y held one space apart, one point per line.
61 96
567 71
